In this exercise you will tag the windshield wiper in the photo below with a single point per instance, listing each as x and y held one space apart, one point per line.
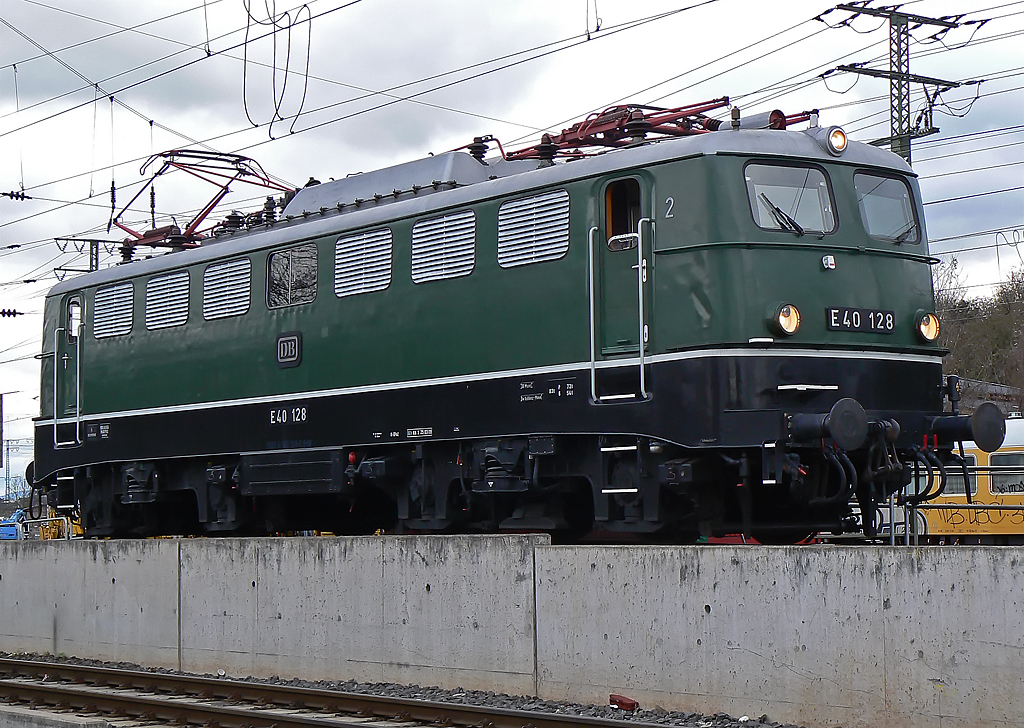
902 237
785 221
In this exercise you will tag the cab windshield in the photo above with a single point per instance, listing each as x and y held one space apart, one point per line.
792 198
886 208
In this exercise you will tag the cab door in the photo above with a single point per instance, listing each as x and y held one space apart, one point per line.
620 248
67 371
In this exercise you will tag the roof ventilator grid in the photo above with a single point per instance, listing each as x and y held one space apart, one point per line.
534 229
444 247
167 301
226 289
113 310
362 263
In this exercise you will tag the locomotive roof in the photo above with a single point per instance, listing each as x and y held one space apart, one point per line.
414 188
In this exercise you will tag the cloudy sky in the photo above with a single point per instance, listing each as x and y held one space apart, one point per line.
364 84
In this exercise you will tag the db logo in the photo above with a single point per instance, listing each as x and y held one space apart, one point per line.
289 349
828 262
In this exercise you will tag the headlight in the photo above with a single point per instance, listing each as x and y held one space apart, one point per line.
836 140
784 319
928 326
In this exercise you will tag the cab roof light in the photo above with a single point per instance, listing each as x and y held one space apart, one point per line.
836 141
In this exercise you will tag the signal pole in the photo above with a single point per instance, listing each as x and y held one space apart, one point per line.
5 446
899 75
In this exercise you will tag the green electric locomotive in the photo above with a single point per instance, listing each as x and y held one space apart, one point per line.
705 328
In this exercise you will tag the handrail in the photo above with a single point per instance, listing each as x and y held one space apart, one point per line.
56 337
817 246
641 272
593 327
57 444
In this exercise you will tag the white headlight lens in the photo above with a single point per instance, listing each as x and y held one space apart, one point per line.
928 327
788 318
837 140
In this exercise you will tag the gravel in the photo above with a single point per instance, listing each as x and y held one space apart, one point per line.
483 698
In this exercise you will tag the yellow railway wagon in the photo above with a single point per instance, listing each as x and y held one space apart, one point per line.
997 481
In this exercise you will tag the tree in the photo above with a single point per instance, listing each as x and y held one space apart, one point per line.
984 335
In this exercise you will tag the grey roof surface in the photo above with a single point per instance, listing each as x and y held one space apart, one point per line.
432 174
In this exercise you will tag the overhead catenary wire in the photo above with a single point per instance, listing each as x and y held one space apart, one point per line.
95 85
978 194
310 76
972 169
563 45
161 74
369 93
120 30
371 110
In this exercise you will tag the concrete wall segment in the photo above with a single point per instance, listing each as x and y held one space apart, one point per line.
461 610
953 637
863 637
219 584
439 609
110 600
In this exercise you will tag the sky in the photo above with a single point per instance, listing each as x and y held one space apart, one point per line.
334 87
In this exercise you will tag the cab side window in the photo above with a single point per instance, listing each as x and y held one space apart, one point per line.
74 319
622 214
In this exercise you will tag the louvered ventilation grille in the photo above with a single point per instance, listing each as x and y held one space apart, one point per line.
226 289
444 247
112 310
533 230
167 301
362 263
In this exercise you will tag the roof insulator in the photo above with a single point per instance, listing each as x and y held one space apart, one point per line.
546 149
637 126
478 149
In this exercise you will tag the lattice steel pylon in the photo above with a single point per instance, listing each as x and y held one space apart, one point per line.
899 86
899 75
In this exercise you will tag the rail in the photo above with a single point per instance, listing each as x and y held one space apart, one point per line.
187 699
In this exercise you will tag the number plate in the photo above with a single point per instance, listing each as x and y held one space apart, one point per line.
870 320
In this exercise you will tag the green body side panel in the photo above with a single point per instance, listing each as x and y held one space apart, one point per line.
712 274
492 319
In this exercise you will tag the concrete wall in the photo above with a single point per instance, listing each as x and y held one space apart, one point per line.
437 610
456 611
866 636
111 600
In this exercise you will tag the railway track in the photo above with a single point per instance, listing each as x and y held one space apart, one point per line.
223 703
